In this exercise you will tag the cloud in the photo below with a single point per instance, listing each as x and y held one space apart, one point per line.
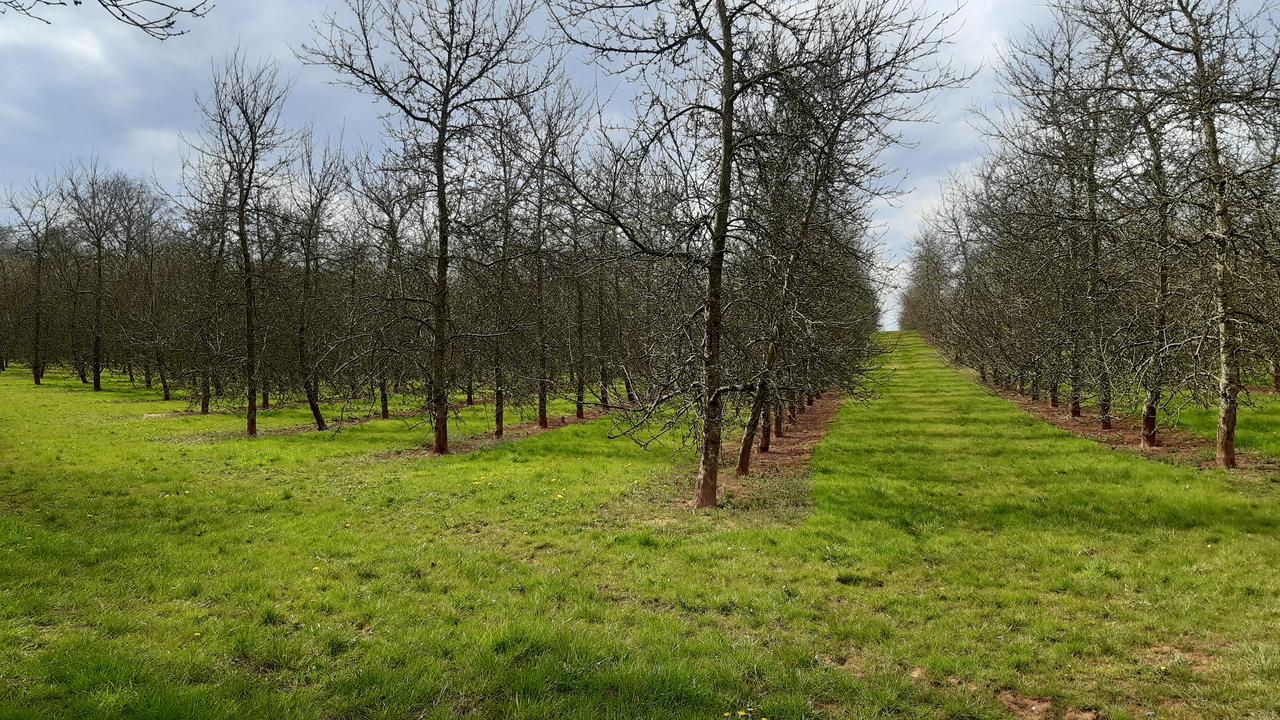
934 149
70 47
152 152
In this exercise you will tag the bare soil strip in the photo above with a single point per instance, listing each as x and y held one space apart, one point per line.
791 452
788 455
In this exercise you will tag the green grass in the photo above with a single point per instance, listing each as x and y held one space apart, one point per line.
157 566
1257 429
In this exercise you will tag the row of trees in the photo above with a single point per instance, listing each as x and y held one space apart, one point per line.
703 262
1119 241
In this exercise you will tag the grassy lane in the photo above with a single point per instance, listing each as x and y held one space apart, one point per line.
1002 550
947 547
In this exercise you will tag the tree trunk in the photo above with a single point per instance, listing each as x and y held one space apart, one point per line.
749 432
499 393
313 401
601 345
97 317
1075 382
766 426
629 386
310 383
440 326
250 316
164 376
580 348
712 371
1149 409
384 405
540 299
777 417
37 330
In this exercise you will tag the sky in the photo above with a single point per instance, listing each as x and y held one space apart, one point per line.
86 86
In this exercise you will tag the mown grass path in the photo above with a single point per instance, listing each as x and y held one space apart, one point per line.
946 547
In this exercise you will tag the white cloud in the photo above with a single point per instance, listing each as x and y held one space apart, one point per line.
65 48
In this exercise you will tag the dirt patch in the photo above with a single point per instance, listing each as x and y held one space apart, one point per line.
788 455
1179 447
1166 656
792 452
854 664
1030 708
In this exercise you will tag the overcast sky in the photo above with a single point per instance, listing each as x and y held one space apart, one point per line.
88 85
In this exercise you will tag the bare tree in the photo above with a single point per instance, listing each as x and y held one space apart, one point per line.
441 65
244 138
39 213
699 65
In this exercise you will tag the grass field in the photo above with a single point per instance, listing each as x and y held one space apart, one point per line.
946 548
1258 429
